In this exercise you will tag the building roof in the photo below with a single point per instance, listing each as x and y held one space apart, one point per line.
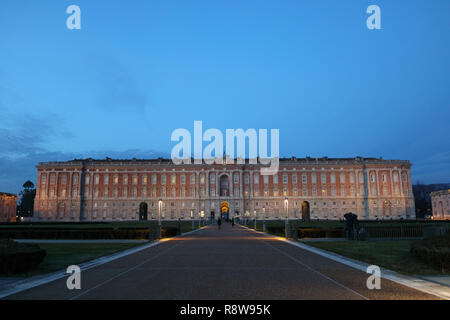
166 161
440 193
9 195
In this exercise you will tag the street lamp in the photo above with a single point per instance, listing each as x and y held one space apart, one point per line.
264 218
254 211
159 217
286 206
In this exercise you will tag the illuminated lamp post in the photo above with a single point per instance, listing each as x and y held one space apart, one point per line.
264 219
159 217
286 206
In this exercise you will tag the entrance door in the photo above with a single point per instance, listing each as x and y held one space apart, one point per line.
143 211
305 210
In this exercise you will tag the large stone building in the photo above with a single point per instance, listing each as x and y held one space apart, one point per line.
8 206
325 188
440 204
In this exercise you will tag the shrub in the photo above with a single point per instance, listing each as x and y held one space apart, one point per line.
167 232
276 230
19 257
434 251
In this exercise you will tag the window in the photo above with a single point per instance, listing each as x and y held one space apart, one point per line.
304 178
333 178
135 179
52 178
192 178
116 180
323 178
343 191
294 178
342 178
212 178
154 178
266 179
96 179
236 178
163 179
182 179
63 179
285 178
313 178
44 179
173 179
256 179
275 179
352 178
125 179
105 179
305 192
383 177
144 179
246 179
202 178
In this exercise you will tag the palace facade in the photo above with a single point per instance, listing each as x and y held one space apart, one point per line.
8 206
315 188
440 203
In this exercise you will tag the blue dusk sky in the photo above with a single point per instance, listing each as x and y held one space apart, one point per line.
137 70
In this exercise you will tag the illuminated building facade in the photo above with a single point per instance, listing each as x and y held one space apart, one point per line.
440 203
8 206
309 188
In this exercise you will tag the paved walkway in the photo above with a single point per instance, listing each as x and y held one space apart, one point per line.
232 263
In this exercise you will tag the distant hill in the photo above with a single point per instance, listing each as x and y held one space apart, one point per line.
422 197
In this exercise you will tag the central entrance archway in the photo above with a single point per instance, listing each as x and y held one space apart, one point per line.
305 211
224 210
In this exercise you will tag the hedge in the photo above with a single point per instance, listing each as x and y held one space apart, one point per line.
123 233
434 251
19 257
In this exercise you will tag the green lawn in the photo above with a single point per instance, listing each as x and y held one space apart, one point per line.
61 255
393 255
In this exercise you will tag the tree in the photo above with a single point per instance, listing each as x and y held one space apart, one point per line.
26 203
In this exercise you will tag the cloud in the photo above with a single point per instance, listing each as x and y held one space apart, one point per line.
117 88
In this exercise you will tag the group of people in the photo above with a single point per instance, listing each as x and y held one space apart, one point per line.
219 222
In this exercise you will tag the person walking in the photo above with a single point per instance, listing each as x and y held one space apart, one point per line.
219 222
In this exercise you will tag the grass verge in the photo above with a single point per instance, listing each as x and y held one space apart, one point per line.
393 255
61 255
